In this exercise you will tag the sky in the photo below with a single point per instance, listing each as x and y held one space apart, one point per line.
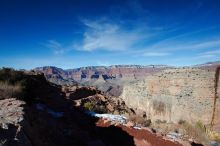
76 33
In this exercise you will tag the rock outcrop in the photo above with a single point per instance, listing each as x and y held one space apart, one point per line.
176 94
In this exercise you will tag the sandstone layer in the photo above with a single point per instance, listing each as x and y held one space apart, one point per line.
176 94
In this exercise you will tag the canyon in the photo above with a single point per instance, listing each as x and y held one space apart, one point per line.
145 105
165 93
50 114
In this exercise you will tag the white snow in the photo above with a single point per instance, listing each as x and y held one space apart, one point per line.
116 118
173 135
137 127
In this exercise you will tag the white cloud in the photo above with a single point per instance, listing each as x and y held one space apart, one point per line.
172 45
105 35
103 63
206 44
155 54
55 46
206 56
213 52
209 54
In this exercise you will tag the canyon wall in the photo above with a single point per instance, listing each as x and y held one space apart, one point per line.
103 72
176 94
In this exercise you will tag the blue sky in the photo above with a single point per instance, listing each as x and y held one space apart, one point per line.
70 34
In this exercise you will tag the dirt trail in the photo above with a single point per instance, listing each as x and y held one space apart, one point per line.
142 137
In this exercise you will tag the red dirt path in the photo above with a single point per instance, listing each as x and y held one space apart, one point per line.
142 137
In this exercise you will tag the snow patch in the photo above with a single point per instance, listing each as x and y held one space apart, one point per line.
173 135
110 117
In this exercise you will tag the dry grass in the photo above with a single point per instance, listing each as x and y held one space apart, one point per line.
140 120
196 131
9 91
213 135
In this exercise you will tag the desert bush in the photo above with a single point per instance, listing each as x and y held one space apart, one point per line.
181 121
196 132
100 109
200 126
159 106
147 123
10 91
158 121
88 106
95 107
213 135
11 76
140 120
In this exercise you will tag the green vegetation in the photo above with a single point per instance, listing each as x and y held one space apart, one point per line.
200 126
213 135
88 106
93 106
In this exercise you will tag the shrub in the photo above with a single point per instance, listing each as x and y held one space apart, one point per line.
159 106
11 76
200 126
180 122
196 131
213 135
10 91
158 121
88 106
99 109
140 120
147 123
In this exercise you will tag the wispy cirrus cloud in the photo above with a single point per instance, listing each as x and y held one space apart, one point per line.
135 37
215 52
206 44
105 35
155 54
172 46
185 41
209 54
57 48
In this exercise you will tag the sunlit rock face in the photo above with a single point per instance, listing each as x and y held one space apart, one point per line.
101 72
176 94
